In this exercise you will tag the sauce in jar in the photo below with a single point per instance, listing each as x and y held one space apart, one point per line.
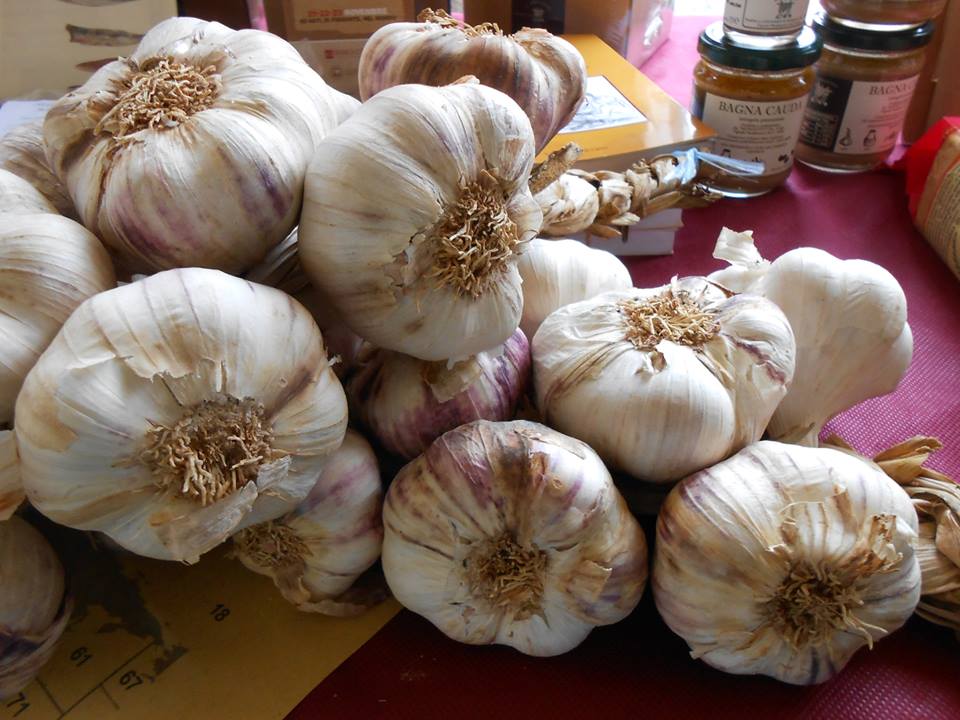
865 79
754 98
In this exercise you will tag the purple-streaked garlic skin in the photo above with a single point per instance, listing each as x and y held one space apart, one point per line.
408 403
550 494
543 73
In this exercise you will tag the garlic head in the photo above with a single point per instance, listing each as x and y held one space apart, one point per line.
414 240
543 73
849 318
408 403
665 381
174 411
192 151
785 560
22 153
33 608
19 197
316 552
559 272
514 534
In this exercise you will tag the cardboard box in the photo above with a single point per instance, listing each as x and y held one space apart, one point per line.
334 19
336 61
938 90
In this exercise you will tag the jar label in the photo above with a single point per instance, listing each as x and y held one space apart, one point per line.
761 131
853 117
765 16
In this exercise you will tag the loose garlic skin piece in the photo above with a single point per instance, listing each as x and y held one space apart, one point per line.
318 550
785 560
415 238
544 74
408 403
192 151
33 609
22 153
511 533
559 272
849 318
174 411
660 405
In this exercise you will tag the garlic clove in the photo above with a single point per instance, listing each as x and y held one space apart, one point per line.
512 533
189 355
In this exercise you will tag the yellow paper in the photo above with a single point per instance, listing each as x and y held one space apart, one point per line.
160 640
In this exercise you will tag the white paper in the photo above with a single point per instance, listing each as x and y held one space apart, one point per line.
603 107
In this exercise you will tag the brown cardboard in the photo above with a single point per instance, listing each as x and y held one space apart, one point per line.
938 89
334 19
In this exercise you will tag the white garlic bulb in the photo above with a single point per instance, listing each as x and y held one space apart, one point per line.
315 552
408 403
33 609
19 197
785 560
414 238
559 272
174 411
514 534
849 318
665 381
22 153
192 151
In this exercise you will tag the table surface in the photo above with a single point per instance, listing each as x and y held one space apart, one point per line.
638 667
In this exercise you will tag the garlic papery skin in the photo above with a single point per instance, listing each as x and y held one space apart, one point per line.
317 551
543 73
19 197
408 403
22 153
48 266
192 151
849 318
33 608
559 272
174 411
11 489
511 533
665 381
569 205
414 240
785 560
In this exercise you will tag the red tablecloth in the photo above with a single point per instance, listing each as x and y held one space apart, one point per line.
638 668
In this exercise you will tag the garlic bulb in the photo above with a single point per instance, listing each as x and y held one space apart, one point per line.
315 552
559 272
192 151
408 403
427 267
33 609
23 154
514 534
19 197
785 560
543 73
850 322
172 412
665 381
936 498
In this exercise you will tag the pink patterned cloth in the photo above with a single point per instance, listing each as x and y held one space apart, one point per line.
851 216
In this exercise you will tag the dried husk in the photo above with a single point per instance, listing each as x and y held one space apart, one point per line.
11 489
785 560
511 533
665 381
22 153
559 272
34 610
427 268
172 412
849 318
316 552
543 73
192 151
407 403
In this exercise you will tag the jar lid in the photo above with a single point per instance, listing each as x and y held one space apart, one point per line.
717 47
861 38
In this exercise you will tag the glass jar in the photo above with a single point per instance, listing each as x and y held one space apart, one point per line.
764 23
865 79
883 12
754 98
